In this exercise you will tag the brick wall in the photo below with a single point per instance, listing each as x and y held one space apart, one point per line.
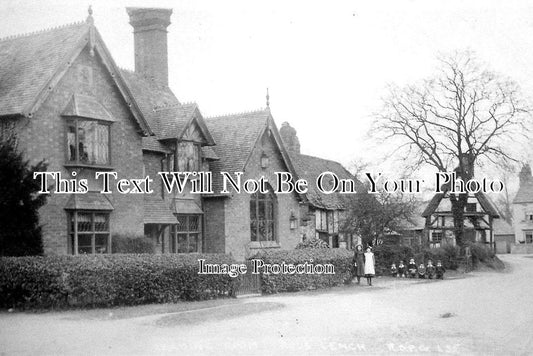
238 207
44 137
214 232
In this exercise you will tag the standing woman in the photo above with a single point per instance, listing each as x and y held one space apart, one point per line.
359 262
369 265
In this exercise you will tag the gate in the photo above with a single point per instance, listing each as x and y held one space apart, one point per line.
249 284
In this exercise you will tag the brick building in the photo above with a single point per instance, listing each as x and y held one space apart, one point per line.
64 96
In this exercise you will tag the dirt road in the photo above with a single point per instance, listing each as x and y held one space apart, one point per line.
484 313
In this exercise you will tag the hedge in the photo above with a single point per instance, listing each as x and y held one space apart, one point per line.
341 259
128 244
108 280
312 243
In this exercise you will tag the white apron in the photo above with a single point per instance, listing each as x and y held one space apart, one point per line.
369 263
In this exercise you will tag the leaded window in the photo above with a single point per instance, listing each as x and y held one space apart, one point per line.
186 234
88 142
321 220
262 217
89 232
188 156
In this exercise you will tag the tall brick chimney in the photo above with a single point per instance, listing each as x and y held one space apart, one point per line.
150 37
289 137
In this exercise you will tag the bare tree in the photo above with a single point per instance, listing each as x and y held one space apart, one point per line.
465 116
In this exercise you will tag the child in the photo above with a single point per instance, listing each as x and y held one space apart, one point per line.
411 267
430 270
369 265
401 270
394 270
421 271
439 270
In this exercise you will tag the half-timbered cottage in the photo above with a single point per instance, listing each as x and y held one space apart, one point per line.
479 215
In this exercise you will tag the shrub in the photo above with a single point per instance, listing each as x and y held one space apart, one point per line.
20 231
341 259
107 280
312 243
129 244
483 255
385 255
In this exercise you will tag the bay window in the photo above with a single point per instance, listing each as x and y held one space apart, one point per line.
88 142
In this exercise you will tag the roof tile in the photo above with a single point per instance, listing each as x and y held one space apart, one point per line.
28 62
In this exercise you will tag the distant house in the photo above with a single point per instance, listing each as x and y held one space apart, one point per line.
504 236
323 215
523 213
411 231
479 215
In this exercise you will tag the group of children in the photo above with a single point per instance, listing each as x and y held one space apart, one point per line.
412 271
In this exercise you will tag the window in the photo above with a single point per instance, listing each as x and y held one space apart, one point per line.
436 236
188 156
529 237
262 216
529 216
88 142
186 234
89 232
321 220
471 207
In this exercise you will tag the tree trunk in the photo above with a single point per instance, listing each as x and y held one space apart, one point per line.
458 208
465 171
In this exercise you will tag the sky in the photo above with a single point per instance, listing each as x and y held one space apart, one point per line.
326 63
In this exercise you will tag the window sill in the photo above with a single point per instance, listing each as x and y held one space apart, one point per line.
265 244
93 166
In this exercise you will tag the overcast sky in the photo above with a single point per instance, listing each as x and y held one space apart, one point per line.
326 62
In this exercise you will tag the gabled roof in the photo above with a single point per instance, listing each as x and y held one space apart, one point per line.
502 227
174 121
32 64
149 95
236 136
28 62
525 193
167 117
484 201
309 168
